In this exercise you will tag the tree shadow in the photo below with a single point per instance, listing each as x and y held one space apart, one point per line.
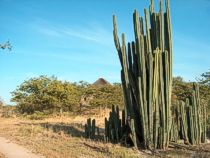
71 129
74 130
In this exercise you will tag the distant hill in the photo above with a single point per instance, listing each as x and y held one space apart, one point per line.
101 82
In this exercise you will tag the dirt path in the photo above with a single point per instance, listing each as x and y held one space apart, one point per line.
12 150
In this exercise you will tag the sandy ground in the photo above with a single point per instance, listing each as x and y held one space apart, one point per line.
2 156
12 150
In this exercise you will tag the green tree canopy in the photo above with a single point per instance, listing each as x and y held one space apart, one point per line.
180 89
49 94
205 78
106 96
204 81
45 93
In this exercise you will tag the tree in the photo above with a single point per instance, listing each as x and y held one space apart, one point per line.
180 89
205 78
106 96
45 93
204 81
102 96
6 45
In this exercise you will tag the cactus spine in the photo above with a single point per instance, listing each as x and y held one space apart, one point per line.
147 76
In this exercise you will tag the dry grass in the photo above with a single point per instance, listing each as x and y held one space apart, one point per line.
63 137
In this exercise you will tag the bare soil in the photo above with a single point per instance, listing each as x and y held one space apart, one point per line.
12 150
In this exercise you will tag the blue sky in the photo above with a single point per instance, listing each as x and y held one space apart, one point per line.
72 39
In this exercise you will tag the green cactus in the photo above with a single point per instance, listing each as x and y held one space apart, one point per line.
191 117
148 119
91 129
113 126
147 76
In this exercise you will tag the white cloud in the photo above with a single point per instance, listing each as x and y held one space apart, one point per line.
49 32
91 31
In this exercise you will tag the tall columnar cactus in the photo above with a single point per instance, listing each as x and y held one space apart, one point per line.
147 76
203 123
190 118
197 116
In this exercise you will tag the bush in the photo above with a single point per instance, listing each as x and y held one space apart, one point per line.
105 96
37 115
46 93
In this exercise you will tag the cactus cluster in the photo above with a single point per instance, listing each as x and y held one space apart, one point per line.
114 126
91 130
149 121
147 76
189 120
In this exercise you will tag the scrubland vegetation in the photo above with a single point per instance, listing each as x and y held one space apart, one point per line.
49 95
49 120
38 123
162 115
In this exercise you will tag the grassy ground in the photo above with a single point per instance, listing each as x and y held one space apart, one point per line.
62 136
